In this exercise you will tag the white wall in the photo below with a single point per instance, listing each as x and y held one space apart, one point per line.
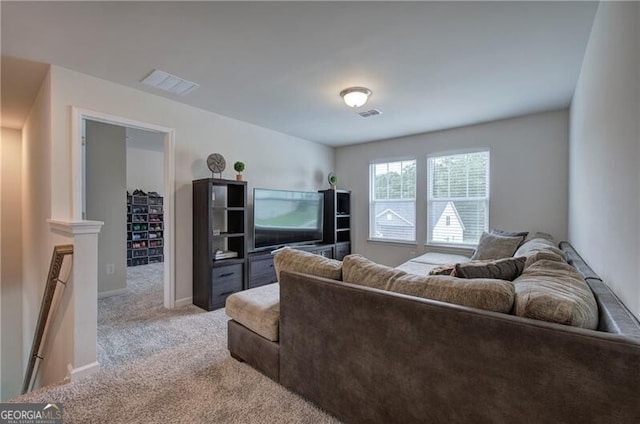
145 170
106 183
145 161
528 177
38 169
273 159
604 208
11 259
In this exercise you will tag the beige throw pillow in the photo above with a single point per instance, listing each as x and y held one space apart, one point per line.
487 294
357 269
493 246
288 259
502 269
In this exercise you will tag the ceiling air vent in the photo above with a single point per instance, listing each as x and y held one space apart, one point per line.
369 113
171 83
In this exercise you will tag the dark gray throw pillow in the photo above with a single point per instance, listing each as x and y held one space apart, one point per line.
503 269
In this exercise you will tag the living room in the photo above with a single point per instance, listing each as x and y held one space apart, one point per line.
568 167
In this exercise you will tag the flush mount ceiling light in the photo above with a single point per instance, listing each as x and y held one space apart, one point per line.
355 96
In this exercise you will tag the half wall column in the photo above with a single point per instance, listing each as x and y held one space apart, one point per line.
82 358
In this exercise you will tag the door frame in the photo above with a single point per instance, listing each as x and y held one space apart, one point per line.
78 116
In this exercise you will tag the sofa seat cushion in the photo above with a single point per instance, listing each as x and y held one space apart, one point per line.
437 258
295 260
424 264
487 294
257 309
357 269
554 291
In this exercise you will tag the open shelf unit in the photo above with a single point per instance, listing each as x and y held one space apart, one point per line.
145 229
219 225
337 221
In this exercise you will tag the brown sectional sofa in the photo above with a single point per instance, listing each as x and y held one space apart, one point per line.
370 355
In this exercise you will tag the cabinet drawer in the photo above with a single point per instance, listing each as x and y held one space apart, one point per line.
327 252
227 272
342 250
225 281
261 266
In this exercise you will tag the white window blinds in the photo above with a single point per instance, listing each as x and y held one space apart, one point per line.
392 201
457 198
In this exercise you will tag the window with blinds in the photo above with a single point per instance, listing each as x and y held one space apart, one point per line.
392 201
457 198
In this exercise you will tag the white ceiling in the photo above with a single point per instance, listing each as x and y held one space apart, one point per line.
281 65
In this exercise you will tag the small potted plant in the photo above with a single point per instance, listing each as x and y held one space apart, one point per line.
333 180
239 167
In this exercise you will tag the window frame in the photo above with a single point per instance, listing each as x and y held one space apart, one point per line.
429 193
372 202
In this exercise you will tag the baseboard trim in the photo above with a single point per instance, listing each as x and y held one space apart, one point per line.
110 293
76 374
183 302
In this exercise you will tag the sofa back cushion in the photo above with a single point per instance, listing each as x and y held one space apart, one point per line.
357 269
533 246
487 294
288 259
553 291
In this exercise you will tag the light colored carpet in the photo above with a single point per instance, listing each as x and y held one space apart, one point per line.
168 367
137 325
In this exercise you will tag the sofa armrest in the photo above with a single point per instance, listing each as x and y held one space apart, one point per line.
366 355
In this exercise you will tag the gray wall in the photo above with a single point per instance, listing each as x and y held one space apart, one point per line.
106 179
604 208
145 161
528 177
11 259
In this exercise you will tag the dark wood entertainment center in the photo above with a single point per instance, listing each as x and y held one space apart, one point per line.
220 222
336 239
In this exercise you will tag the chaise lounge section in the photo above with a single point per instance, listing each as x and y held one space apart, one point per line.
369 355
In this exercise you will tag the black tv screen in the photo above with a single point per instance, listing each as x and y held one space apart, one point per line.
282 217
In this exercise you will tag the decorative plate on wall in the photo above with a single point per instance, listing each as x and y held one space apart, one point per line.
216 163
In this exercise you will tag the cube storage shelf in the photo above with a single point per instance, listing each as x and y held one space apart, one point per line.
219 240
145 229
337 220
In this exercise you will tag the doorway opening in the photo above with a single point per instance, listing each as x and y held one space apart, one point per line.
79 195
121 160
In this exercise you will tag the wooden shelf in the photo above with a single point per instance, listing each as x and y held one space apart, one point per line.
337 220
221 235
221 205
224 262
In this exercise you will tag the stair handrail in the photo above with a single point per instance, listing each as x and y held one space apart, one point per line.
53 278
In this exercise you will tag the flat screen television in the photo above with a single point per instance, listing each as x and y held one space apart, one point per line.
282 217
